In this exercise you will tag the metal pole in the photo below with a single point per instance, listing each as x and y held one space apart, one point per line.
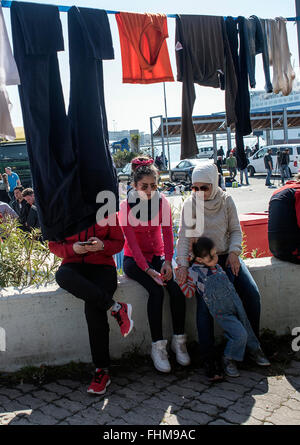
151 135
162 139
215 146
272 135
285 126
167 128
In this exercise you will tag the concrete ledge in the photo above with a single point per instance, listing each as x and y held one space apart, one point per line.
46 325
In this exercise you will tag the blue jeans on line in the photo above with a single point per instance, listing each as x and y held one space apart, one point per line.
249 294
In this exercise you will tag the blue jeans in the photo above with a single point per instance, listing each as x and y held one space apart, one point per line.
284 171
249 294
242 173
268 178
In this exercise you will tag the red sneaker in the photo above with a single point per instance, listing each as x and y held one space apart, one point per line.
99 383
123 317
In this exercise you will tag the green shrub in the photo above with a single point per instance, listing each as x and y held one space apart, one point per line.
24 260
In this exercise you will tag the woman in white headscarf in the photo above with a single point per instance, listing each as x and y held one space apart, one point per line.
211 212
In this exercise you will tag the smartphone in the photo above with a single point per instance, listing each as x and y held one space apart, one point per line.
87 243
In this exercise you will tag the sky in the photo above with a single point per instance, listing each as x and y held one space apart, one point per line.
130 106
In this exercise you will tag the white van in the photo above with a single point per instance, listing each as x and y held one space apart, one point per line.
257 165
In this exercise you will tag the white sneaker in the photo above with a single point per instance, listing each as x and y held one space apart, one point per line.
159 356
178 346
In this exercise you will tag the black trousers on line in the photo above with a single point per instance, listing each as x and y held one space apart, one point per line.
156 295
95 284
69 153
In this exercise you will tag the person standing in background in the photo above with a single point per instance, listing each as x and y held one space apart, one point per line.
269 167
4 189
231 164
13 180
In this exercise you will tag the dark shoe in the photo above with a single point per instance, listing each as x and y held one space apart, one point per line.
212 370
123 317
230 368
99 383
259 358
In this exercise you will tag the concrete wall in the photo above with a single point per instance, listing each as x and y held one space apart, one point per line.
46 325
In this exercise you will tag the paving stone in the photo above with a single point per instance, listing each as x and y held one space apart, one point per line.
211 410
197 417
295 382
20 420
268 401
133 418
117 422
3 401
252 421
144 389
171 397
243 380
124 402
122 381
46 395
128 393
96 417
150 417
240 389
260 414
188 383
58 389
293 404
170 420
284 416
220 422
6 419
159 404
81 397
77 419
39 418
69 405
224 393
55 411
113 410
295 395
212 400
182 391
30 401
25 387
69 383
243 406
11 393
14 405
232 416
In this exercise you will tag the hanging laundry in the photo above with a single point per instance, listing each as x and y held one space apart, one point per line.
256 43
235 30
280 56
8 76
203 56
67 170
145 56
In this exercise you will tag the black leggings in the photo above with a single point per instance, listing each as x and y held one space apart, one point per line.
95 284
156 295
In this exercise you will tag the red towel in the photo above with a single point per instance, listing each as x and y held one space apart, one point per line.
145 56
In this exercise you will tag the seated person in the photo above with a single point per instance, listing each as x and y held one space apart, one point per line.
207 278
284 222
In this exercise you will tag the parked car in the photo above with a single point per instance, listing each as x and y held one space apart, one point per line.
126 173
183 171
14 155
257 165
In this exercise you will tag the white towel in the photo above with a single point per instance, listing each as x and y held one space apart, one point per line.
8 76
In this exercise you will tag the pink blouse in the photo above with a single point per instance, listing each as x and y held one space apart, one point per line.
143 240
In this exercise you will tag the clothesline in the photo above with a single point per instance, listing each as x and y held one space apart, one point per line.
62 8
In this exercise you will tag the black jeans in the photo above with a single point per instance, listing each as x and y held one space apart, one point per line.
95 284
156 295
69 154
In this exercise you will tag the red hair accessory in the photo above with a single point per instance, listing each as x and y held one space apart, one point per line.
143 162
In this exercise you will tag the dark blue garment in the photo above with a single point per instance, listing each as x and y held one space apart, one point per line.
257 44
249 294
227 309
69 156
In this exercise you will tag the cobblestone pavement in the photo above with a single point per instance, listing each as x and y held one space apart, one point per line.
141 396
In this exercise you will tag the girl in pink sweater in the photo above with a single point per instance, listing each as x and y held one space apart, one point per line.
145 218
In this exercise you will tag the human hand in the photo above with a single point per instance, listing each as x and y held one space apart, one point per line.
234 262
79 249
96 246
166 271
156 276
181 274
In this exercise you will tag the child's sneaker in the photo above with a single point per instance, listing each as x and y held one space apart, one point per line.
100 382
212 370
259 358
123 317
230 368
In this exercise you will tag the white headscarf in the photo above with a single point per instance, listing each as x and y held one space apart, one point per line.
208 174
